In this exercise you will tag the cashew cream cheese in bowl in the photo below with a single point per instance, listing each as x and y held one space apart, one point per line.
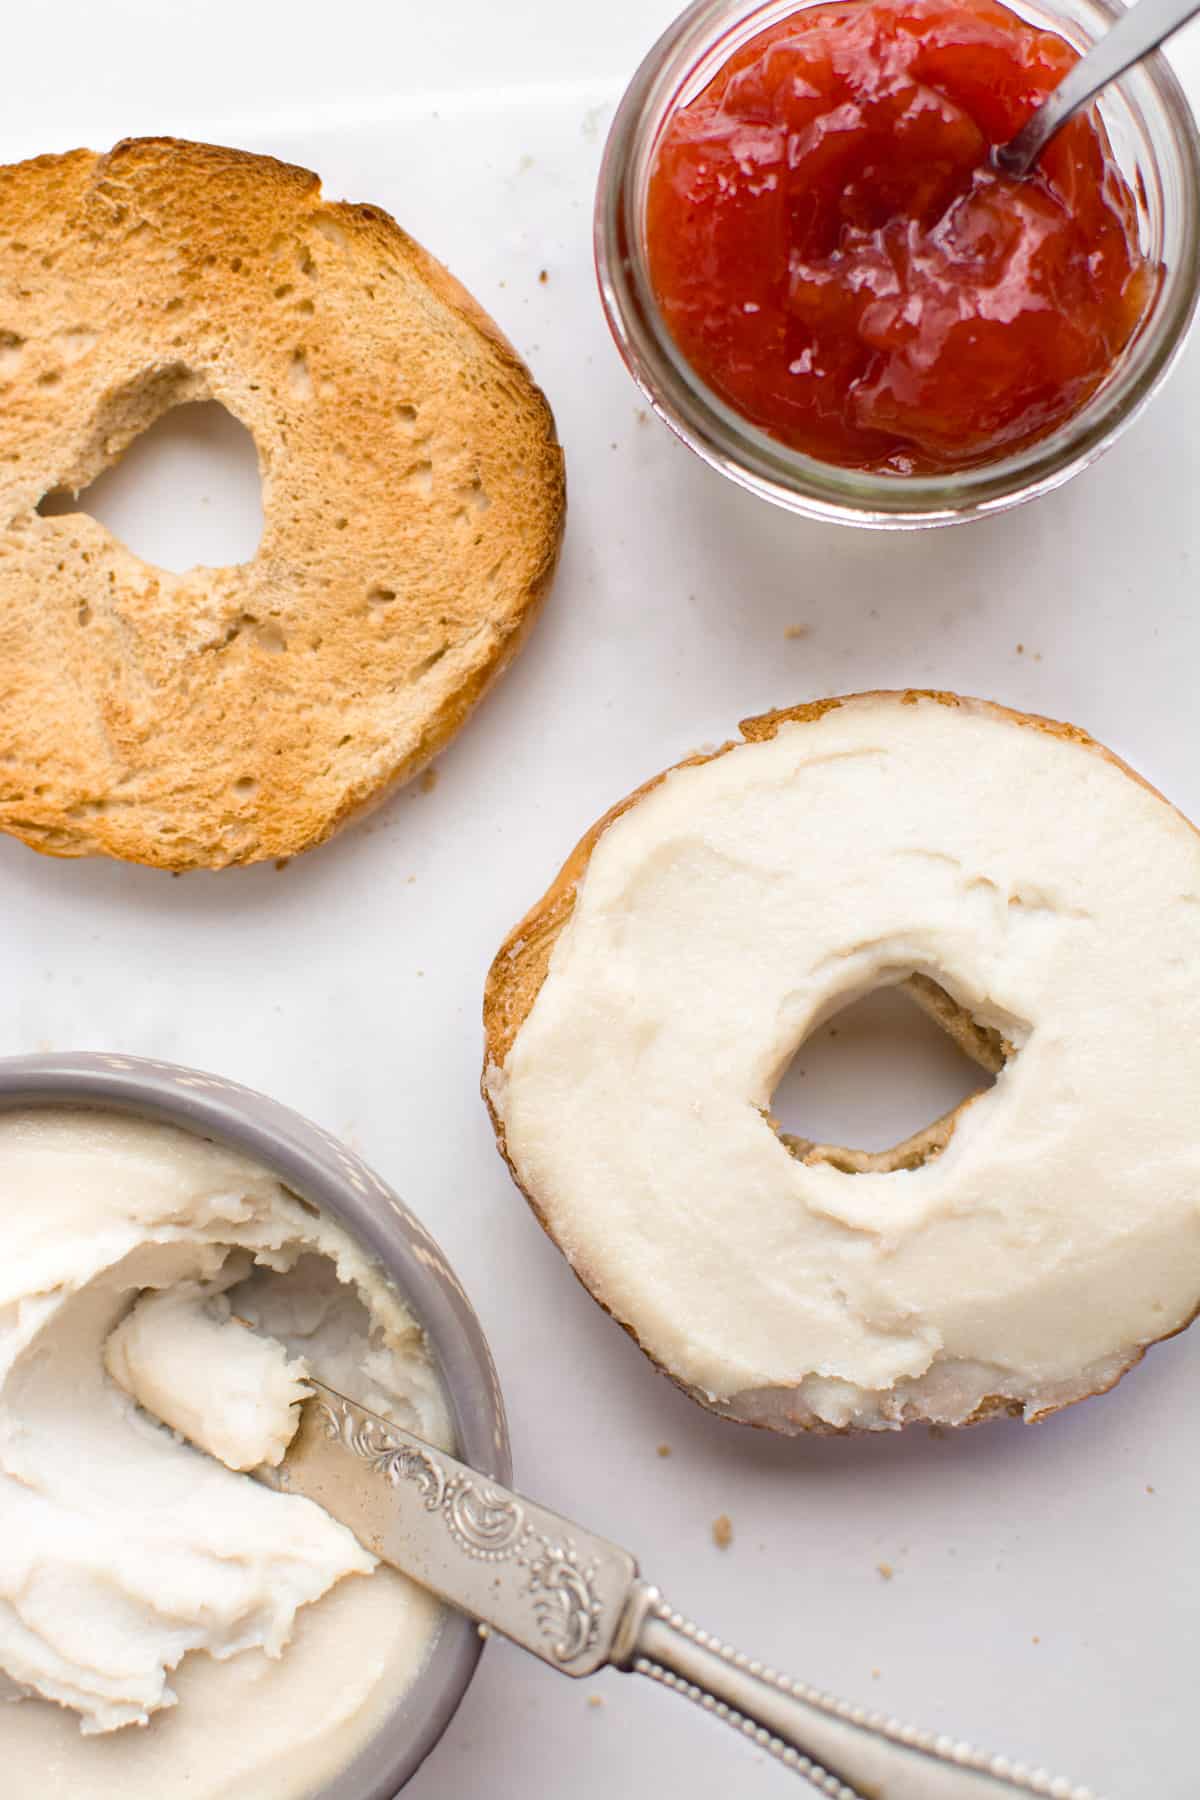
167 1624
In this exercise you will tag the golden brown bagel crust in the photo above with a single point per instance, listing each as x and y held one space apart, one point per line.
523 960
413 495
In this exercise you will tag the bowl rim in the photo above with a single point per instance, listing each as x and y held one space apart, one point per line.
803 484
328 1174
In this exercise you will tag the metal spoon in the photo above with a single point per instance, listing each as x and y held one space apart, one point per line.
1144 27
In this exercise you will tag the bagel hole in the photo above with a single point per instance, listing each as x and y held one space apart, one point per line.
875 1076
186 494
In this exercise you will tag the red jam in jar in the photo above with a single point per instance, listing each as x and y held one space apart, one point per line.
835 257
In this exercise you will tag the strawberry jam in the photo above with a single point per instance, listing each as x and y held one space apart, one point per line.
835 256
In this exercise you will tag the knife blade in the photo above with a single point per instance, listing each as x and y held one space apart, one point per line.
553 1588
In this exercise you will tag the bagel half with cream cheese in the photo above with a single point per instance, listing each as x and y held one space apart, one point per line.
1039 898
413 505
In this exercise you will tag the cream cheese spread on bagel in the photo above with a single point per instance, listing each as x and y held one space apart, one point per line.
168 1625
640 1017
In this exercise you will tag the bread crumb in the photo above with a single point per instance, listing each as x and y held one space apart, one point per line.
485 1631
886 1570
429 780
1149 1490
595 1700
543 276
1020 649
664 1449
1037 1640
722 1532
797 631
410 881
874 1674
281 862
642 416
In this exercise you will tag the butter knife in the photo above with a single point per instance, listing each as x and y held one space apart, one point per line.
575 1601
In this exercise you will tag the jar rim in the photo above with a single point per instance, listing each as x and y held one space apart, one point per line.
755 460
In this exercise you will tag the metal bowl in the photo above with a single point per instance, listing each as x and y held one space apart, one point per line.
327 1175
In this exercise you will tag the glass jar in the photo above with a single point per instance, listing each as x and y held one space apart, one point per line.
1154 141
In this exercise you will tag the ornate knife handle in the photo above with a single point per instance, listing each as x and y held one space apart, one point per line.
845 1752
575 1600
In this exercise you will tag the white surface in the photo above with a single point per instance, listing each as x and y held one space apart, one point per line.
1043 1601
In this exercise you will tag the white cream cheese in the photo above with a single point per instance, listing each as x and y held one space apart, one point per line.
135 1571
732 910
189 1361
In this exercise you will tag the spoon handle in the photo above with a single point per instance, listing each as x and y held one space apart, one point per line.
1142 29
845 1752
